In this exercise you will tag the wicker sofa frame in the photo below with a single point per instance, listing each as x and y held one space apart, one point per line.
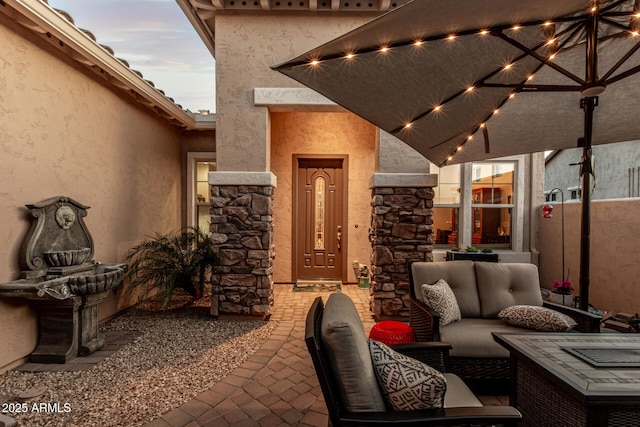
481 372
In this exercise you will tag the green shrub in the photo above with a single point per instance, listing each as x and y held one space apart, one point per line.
181 259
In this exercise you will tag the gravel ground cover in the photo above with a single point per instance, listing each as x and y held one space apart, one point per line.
180 353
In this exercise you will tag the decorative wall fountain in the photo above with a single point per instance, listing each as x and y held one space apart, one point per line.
62 281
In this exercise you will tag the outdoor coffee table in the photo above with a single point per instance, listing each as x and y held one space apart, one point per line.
574 379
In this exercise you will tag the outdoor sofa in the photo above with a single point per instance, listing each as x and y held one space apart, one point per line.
344 362
482 290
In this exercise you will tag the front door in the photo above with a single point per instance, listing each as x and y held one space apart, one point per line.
319 232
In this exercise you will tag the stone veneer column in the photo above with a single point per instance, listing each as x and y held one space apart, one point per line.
401 232
242 231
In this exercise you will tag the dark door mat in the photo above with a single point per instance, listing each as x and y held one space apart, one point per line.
317 287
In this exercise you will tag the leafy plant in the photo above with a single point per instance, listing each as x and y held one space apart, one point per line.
181 259
471 249
564 288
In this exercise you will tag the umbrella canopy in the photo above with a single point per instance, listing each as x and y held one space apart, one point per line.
469 80
433 73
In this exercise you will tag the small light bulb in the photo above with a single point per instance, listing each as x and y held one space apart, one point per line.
547 23
350 55
551 41
437 108
552 56
530 77
496 111
471 88
450 158
512 95
470 137
516 27
459 148
314 62
482 125
418 43
483 32
451 37
635 33
384 49
408 125
507 67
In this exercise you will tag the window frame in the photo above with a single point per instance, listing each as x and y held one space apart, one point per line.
465 209
192 160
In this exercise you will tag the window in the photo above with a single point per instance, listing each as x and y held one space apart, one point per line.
492 204
320 203
446 207
475 204
575 193
199 195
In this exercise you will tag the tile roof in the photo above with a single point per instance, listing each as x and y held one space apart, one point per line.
58 28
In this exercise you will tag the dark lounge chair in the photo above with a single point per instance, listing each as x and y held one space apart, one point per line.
348 382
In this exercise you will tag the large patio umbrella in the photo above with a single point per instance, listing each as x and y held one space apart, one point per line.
464 80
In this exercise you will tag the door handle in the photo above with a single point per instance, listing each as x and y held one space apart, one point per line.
339 237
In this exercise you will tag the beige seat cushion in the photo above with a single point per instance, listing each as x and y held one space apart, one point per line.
458 394
461 277
348 352
501 285
472 337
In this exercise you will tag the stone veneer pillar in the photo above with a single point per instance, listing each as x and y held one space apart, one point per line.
401 232
242 231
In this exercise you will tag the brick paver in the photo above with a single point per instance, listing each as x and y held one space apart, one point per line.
277 386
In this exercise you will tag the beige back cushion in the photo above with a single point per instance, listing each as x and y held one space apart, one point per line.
502 285
348 353
461 277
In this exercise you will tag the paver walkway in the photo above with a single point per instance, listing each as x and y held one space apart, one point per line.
277 385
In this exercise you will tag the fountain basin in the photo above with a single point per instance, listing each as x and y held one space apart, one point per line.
67 310
67 258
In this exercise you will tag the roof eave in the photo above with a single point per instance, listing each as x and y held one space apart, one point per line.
40 18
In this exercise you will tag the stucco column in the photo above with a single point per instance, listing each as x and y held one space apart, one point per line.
401 232
242 231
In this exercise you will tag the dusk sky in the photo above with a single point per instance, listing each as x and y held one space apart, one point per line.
156 38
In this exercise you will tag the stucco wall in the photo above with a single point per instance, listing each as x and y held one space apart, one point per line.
615 226
246 46
617 170
322 133
63 133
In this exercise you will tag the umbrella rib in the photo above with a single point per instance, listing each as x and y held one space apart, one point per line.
540 58
408 42
624 75
614 23
479 83
620 62
521 87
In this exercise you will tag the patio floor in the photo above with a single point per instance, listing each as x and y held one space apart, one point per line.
277 385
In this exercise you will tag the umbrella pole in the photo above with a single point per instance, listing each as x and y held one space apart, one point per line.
588 105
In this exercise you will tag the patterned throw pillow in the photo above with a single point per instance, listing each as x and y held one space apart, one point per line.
538 318
406 383
441 298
